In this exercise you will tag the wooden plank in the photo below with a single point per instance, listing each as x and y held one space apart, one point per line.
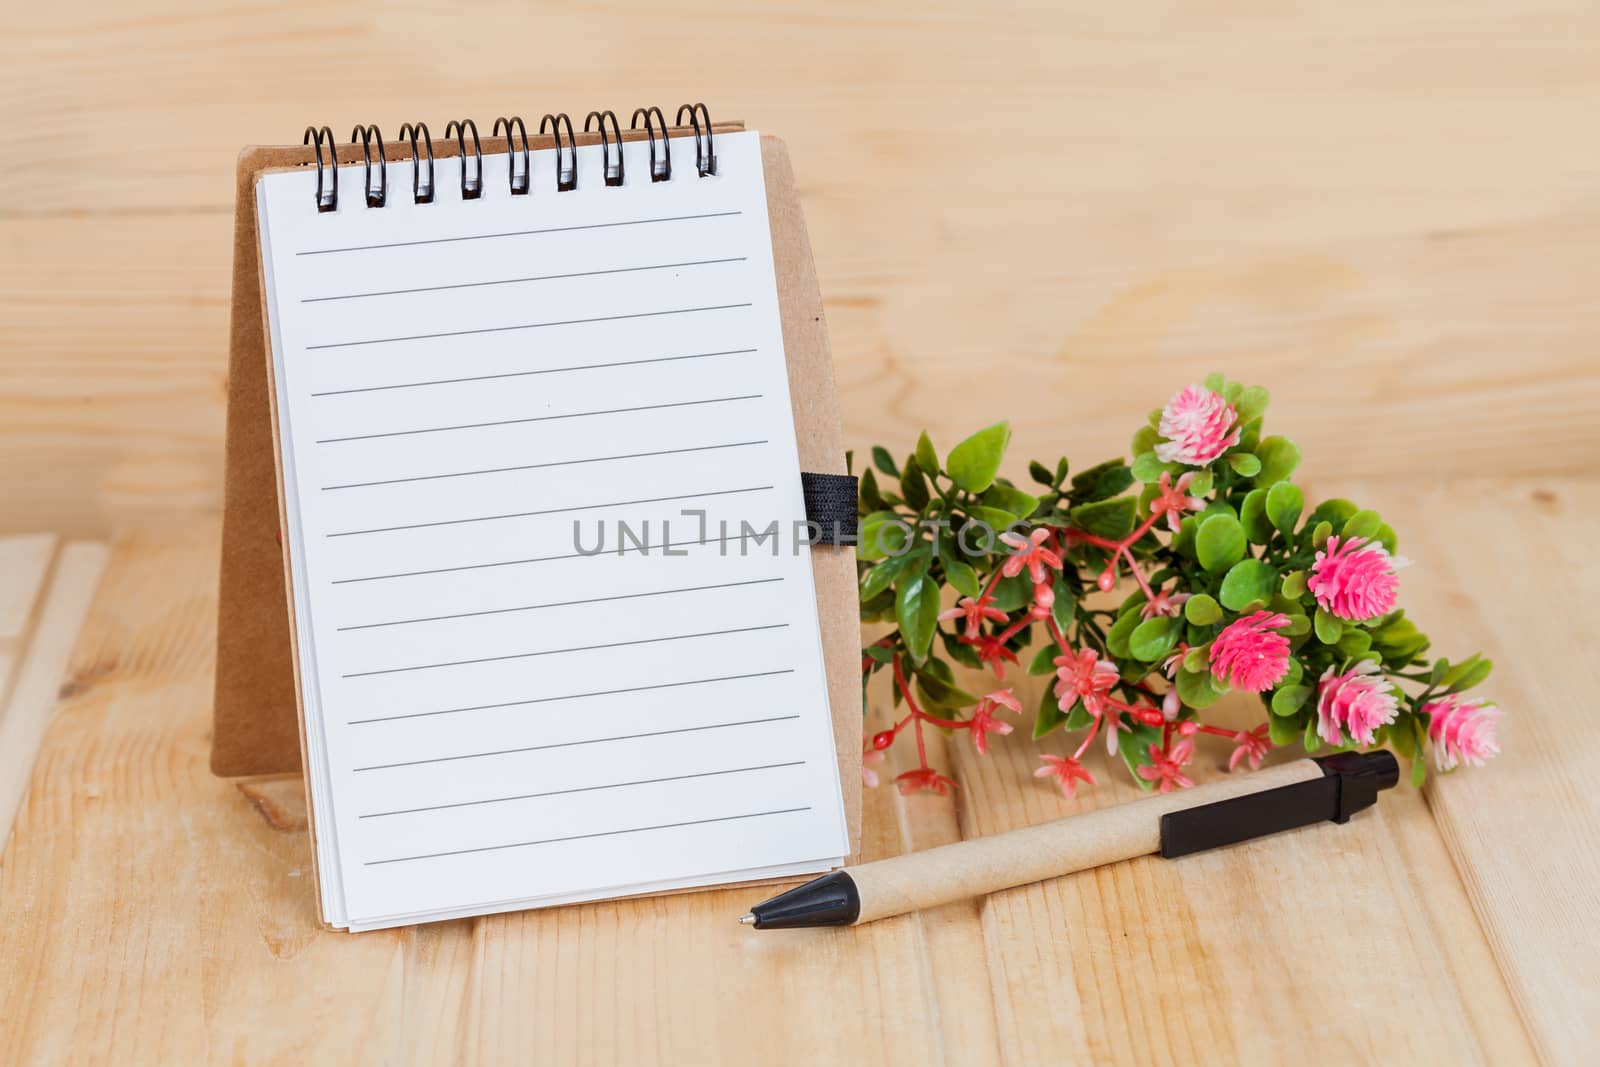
135 878
24 564
1504 575
26 713
1358 233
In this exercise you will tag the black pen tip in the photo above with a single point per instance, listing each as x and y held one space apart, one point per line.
831 900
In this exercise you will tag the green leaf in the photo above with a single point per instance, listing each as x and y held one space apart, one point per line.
1362 524
871 496
1247 581
927 458
1134 748
1040 473
1294 585
1471 672
1253 517
1117 637
1201 484
1220 543
1044 660
1049 717
1245 464
1215 382
1153 638
1065 604
973 463
1252 403
884 462
1145 439
1010 500
961 577
1329 629
1311 740
1202 610
916 607
883 533
998 521
1279 457
1147 468
1011 593
1101 481
1198 659
1284 503
1197 688
881 575
1282 730
914 486
943 694
1354 642
1289 699
1387 538
1334 512
1106 518
1320 535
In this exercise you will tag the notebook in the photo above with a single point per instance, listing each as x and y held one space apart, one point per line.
553 609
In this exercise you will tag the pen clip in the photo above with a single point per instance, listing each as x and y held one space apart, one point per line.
1350 782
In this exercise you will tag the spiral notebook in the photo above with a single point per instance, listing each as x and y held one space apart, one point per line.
556 621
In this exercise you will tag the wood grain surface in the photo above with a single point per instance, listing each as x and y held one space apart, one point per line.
1052 213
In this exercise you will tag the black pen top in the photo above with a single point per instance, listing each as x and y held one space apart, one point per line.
831 900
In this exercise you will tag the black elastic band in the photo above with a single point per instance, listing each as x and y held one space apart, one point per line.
830 507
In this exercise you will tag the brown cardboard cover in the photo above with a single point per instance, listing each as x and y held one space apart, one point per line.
256 721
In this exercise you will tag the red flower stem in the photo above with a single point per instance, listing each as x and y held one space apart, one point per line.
922 752
917 714
1217 731
1012 630
1094 728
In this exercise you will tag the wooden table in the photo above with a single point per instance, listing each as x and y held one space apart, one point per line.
1390 218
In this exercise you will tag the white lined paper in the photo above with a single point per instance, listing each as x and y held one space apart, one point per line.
495 717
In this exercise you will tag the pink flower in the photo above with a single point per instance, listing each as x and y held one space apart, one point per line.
1462 731
974 612
1171 704
1355 579
1168 768
1354 701
1248 655
1067 772
1198 425
1084 676
983 721
1165 604
1174 500
1253 744
871 756
1044 598
1031 553
924 778
993 652
1174 660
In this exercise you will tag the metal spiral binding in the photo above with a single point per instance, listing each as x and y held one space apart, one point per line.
519 180
421 191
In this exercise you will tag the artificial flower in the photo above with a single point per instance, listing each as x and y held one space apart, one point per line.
983 722
1084 676
1067 772
1253 744
1030 552
1250 654
1462 731
974 612
1167 767
1354 701
1173 500
869 759
924 778
1355 578
1164 604
1199 426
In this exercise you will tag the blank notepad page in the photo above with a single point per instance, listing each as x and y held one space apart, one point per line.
533 449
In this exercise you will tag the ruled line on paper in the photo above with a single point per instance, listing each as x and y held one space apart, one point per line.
519 281
518 233
530 373
564 651
573 696
585 789
553 511
525 326
663 548
541 418
585 837
558 604
543 466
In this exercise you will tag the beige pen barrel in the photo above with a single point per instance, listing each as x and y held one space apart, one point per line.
989 864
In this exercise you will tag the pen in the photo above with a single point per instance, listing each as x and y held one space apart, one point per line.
1306 791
